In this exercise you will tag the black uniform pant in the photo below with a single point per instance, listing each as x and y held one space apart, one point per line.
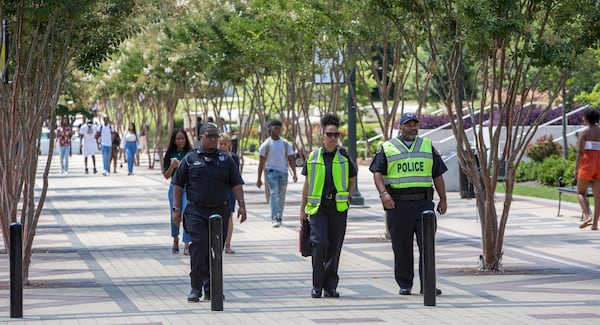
196 224
404 222
327 231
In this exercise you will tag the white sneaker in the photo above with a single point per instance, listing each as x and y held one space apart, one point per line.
105 173
276 224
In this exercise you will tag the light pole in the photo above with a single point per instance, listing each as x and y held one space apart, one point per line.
357 198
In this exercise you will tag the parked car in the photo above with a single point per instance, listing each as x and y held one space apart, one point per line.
45 143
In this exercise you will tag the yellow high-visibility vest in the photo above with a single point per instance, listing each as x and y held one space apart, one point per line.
316 179
408 167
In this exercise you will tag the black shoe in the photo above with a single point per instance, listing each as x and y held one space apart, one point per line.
332 293
95 170
438 292
405 291
87 171
316 292
194 295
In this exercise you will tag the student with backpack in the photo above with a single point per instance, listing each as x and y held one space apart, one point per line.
275 156
105 136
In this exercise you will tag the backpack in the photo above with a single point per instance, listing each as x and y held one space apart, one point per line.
112 132
268 147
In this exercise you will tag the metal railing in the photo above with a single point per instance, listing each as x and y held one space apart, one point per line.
366 144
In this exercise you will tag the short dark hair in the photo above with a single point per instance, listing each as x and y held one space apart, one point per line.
330 119
592 115
275 122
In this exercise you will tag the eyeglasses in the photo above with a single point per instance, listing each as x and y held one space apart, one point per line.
212 136
332 134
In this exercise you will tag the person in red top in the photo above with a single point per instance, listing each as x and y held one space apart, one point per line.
587 167
63 136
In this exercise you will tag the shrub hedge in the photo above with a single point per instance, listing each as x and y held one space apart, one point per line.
547 171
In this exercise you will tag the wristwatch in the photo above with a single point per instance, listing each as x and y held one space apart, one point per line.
175 209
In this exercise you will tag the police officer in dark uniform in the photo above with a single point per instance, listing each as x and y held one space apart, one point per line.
206 173
405 169
329 186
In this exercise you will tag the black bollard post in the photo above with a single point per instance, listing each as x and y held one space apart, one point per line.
216 262
428 221
16 270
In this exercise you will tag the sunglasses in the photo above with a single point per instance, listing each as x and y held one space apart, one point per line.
332 134
212 136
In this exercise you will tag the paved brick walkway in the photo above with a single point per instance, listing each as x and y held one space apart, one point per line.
102 256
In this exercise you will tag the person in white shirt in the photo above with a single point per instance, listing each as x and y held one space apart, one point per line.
87 133
105 133
130 144
275 156
223 128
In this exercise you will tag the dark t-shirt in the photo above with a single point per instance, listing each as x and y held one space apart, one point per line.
379 164
207 177
328 186
177 154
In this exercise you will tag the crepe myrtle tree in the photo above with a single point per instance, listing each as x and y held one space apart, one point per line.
40 51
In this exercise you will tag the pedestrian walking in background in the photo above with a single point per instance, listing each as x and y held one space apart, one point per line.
105 135
115 152
275 155
129 144
587 167
143 148
405 169
87 134
63 137
328 188
223 127
206 174
225 145
179 145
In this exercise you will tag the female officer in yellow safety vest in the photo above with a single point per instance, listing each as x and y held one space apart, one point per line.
330 183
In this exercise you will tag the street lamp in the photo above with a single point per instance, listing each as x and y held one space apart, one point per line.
357 198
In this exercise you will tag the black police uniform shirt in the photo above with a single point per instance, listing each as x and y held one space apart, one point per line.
207 177
329 186
379 164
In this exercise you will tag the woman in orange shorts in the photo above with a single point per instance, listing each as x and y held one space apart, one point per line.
587 167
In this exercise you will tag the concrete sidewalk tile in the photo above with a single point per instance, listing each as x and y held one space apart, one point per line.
102 256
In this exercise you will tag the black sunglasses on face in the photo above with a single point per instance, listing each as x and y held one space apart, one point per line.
332 134
212 136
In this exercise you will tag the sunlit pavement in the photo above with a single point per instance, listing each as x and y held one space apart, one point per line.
102 255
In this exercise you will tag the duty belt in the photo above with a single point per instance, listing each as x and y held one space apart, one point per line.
225 203
410 197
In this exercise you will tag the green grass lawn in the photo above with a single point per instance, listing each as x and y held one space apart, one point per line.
540 191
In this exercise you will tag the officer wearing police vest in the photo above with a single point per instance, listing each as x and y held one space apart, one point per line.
328 188
206 173
405 169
